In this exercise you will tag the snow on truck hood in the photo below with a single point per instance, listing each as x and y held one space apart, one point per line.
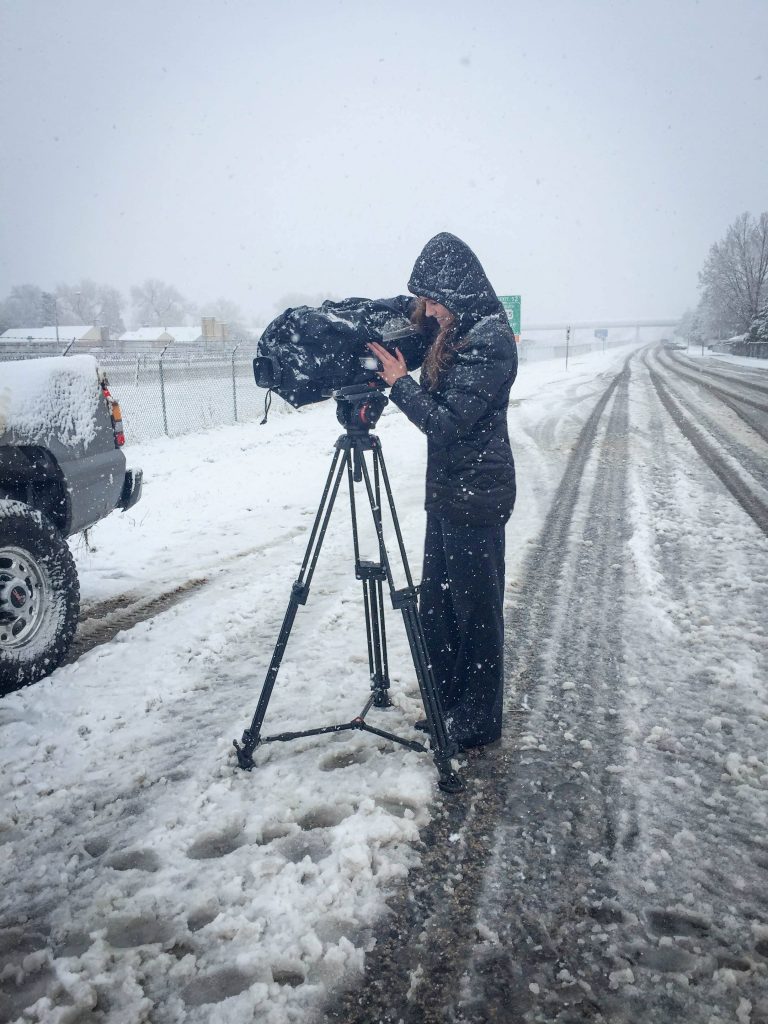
52 397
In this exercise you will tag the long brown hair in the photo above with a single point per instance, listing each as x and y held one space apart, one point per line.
441 352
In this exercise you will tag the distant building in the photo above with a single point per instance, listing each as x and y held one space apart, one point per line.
66 334
163 335
214 330
210 329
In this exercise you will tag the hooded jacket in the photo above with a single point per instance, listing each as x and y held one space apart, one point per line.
470 469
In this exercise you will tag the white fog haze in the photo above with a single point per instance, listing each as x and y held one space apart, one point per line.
589 152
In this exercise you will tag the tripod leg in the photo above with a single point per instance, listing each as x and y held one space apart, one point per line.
377 651
443 746
299 594
372 574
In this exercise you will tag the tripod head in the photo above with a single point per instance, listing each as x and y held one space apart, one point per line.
358 406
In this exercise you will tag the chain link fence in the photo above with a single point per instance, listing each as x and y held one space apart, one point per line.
173 390
180 388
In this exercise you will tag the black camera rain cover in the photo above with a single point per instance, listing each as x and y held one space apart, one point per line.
307 352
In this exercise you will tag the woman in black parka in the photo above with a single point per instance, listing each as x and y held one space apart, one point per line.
461 405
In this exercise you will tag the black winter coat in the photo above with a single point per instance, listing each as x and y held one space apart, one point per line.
470 469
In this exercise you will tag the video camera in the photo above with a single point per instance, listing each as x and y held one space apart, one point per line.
309 354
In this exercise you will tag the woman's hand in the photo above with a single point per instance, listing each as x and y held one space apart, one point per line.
392 367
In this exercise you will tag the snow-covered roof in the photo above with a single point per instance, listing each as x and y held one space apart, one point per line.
143 334
185 333
66 332
156 333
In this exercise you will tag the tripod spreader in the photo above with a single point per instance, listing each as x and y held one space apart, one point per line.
349 457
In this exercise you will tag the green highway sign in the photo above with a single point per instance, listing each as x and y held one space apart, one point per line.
511 304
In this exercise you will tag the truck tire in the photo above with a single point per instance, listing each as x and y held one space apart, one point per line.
39 596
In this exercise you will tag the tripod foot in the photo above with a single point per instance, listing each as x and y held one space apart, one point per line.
245 753
448 780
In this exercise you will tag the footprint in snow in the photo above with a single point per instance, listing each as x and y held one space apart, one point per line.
127 932
212 845
396 807
290 978
73 944
216 987
676 922
296 848
665 959
96 847
344 759
14 999
323 817
134 860
197 919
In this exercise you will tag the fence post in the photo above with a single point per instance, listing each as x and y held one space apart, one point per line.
162 392
234 380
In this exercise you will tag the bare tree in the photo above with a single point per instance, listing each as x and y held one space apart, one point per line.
91 303
157 304
226 312
25 306
734 278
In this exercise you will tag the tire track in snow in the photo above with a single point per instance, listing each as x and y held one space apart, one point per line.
684 417
745 380
419 967
101 621
692 886
104 621
565 813
753 413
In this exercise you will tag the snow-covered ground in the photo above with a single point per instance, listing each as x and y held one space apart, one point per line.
726 357
145 876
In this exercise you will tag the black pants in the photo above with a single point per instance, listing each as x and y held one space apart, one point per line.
462 610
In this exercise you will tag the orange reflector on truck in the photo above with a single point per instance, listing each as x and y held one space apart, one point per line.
114 412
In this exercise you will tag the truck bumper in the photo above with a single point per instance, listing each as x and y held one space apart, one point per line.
131 492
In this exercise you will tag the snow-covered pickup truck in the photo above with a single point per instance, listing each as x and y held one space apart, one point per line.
61 470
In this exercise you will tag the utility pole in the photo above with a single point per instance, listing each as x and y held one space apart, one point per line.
567 343
53 306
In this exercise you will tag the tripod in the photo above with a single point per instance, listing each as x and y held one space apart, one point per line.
358 408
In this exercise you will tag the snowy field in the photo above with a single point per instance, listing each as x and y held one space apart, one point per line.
146 878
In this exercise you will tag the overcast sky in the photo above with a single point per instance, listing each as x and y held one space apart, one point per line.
590 152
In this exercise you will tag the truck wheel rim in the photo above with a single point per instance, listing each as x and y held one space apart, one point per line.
23 598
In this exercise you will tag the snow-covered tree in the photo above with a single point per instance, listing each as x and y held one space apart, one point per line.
690 327
157 304
758 330
734 278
